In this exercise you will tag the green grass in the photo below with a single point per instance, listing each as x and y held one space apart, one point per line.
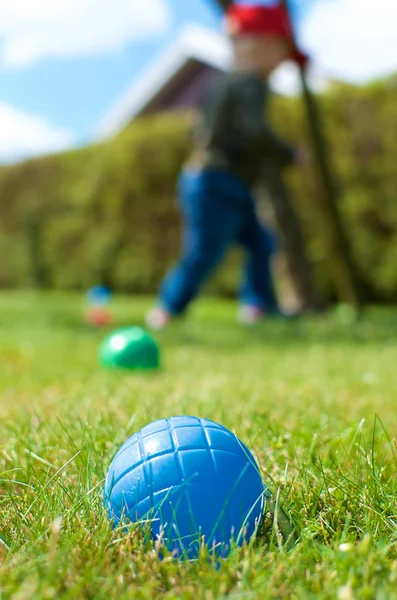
315 400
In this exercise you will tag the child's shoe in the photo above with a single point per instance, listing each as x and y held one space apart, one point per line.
250 315
158 318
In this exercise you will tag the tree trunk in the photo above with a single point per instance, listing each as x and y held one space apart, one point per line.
347 280
293 241
346 276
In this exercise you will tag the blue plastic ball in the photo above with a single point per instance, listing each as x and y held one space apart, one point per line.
191 480
99 295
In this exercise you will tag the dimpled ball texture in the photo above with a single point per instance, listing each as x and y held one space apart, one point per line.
191 480
130 348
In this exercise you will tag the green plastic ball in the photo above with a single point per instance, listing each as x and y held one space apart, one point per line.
130 348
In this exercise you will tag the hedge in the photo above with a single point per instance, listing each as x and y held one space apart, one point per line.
107 212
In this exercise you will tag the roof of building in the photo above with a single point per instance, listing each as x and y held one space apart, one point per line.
194 45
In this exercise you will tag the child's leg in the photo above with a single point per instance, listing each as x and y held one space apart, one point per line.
257 288
210 224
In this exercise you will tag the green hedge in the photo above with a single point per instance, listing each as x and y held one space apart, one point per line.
360 128
103 212
108 213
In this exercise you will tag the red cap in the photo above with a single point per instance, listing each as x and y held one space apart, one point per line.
263 20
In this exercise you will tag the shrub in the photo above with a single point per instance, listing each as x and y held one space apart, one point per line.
107 212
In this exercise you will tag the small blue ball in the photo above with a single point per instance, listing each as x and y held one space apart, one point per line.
190 479
99 295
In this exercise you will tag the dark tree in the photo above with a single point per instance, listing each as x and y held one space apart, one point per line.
223 4
347 280
293 241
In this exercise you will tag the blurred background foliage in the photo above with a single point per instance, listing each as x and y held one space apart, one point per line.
107 213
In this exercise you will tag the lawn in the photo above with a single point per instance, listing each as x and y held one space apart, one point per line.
316 401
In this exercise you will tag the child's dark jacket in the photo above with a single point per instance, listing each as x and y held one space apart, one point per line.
233 134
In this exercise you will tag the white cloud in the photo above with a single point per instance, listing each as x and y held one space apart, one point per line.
286 80
23 135
34 29
353 40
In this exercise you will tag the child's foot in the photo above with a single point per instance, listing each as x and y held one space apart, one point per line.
158 318
250 315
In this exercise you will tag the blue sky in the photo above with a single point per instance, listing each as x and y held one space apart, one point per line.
73 91
61 68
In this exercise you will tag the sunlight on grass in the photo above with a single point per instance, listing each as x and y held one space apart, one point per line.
314 400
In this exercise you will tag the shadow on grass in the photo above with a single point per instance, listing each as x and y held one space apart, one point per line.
225 334
218 329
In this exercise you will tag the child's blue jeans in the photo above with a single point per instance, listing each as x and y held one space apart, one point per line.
218 211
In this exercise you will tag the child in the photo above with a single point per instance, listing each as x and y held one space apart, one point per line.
232 143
